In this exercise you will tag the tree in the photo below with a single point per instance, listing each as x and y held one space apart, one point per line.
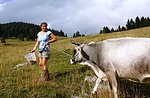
130 24
119 28
13 29
2 35
77 34
101 31
61 33
123 28
58 33
82 35
137 22
112 30
21 36
74 35
143 20
66 35
147 21
106 30
1 31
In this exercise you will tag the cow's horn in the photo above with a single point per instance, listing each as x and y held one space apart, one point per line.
75 43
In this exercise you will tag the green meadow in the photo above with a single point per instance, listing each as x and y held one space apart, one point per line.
68 80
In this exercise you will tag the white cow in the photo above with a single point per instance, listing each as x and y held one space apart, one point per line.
127 58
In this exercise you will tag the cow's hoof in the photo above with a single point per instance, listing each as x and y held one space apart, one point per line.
94 92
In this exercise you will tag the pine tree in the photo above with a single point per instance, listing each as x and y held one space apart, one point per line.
106 30
21 36
119 28
101 31
147 21
143 22
77 34
66 35
61 33
130 24
137 22
74 35
123 28
1 31
2 35
112 30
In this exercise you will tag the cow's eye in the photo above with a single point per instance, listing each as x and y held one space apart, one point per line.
78 49
74 51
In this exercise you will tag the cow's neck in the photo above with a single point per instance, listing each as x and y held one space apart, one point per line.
96 69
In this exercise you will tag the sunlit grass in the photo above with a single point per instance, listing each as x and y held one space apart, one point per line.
68 79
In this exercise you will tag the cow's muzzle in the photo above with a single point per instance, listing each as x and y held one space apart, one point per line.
72 61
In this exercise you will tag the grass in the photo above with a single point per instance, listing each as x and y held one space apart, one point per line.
68 79
24 82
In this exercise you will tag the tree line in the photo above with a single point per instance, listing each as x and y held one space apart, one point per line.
23 31
28 31
77 34
131 24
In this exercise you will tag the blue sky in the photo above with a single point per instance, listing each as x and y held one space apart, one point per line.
86 16
3 1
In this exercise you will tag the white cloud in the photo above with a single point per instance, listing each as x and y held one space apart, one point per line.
2 6
86 16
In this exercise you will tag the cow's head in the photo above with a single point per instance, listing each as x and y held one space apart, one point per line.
81 53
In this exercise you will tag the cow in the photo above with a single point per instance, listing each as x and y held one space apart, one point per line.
127 58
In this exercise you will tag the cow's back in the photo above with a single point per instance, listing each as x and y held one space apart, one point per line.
129 56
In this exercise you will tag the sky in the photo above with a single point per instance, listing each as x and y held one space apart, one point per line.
86 16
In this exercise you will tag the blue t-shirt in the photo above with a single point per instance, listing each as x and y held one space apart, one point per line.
43 38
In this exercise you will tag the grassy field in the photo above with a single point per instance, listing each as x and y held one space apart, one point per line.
68 80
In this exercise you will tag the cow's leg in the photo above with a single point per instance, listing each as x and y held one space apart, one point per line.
115 91
113 83
96 85
99 73
101 76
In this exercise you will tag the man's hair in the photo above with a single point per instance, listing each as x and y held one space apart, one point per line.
43 23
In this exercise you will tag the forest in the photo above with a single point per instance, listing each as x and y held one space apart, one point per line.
131 24
23 31
27 31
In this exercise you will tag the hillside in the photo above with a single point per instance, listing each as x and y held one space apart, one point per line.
23 31
65 43
68 80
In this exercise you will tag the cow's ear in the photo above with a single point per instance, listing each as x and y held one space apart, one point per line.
77 44
92 43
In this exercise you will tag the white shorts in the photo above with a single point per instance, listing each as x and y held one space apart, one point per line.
44 54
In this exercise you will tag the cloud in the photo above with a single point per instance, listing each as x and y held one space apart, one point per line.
1 7
86 16
3 1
